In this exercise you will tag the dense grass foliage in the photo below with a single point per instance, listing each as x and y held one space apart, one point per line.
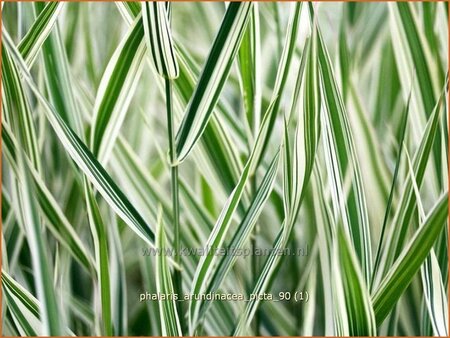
289 160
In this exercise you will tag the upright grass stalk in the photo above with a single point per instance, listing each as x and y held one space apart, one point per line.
175 195
254 258
156 22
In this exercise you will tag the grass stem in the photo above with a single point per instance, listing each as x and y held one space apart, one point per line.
177 278
254 258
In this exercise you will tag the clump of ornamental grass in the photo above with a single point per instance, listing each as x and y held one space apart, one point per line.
224 169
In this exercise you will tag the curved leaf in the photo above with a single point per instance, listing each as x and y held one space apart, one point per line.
213 77
400 275
116 90
86 161
159 39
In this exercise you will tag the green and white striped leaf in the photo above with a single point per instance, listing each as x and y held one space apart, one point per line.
205 266
261 285
17 111
23 305
249 63
119 306
374 168
389 203
116 90
291 205
213 77
297 168
418 66
336 316
435 295
407 204
128 10
56 220
216 142
243 232
100 239
283 71
342 161
435 298
400 275
361 318
170 322
414 52
159 38
31 43
86 161
24 129
58 78
42 270
306 135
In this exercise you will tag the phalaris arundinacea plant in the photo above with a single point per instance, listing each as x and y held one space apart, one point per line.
217 168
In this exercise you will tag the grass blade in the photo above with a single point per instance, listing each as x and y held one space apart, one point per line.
435 295
357 298
374 166
355 215
404 18
217 143
31 43
217 236
336 316
159 39
283 71
249 62
38 248
23 306
414 56
170 323
100 239
57 76
115 91
119 307
102 102
213 77
159 42
17 111
433 287
391 193
86 161
56 220
297 169
408 263
243 231
407 204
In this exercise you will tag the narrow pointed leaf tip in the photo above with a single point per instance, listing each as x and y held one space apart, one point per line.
215 73
159 38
